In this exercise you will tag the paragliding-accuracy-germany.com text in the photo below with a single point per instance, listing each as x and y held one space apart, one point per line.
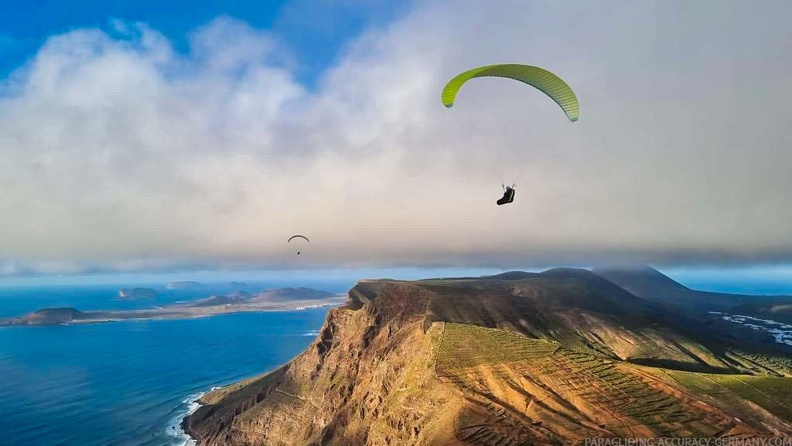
679 441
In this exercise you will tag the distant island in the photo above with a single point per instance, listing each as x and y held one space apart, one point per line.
286 299
287 294
234 298
185 285
137 293
240 284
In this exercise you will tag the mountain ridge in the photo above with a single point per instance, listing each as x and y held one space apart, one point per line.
654 286
538 358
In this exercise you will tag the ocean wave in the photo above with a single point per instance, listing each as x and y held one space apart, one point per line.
311 333
315 306
187 407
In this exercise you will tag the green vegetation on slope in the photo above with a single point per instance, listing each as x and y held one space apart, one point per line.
773 394
468 346
611 393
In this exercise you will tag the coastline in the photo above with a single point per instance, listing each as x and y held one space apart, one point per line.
177 427
142 402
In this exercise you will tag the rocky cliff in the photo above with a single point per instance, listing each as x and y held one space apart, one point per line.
549 358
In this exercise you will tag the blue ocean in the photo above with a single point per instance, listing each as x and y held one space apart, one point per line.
131 382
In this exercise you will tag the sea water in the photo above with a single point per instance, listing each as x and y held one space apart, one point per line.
128 382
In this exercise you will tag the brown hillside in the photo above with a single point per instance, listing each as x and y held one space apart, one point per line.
547 358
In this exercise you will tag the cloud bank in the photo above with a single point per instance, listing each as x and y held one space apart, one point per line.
117 152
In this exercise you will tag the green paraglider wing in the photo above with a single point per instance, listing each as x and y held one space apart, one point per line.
543 80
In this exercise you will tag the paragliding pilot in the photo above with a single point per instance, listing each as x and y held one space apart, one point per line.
508 195
298 236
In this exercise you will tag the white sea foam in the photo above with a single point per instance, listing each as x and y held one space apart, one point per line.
186 408
311 333
310 307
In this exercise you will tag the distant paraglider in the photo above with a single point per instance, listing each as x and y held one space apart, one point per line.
539 78
298 236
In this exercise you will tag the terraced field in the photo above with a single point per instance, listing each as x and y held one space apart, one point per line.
536 383
773 394
770 363
464 345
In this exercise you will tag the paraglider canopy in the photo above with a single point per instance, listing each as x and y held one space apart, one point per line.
539 78
298 236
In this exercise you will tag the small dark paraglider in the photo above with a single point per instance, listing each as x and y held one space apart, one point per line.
508 195
298 236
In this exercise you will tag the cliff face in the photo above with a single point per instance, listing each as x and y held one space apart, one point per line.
367 377
546 358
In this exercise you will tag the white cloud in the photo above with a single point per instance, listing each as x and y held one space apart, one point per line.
118 149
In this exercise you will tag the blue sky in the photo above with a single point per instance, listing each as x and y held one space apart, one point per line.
314 30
